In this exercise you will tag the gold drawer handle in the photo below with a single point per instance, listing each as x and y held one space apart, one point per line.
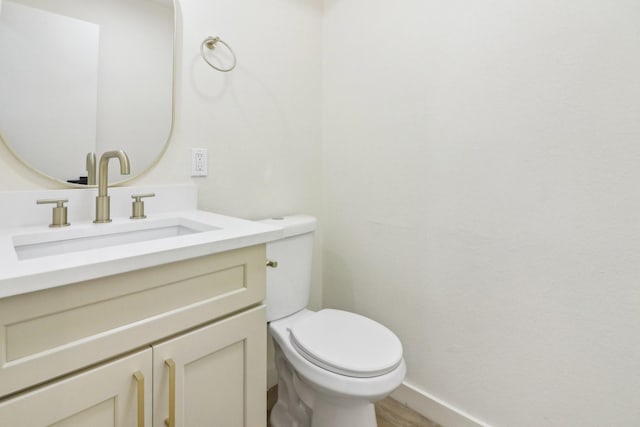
171 421
140 383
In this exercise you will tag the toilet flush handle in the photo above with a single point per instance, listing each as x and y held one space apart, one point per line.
272 264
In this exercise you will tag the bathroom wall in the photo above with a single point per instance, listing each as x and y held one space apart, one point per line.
482 164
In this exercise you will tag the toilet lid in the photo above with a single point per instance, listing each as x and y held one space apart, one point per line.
347 343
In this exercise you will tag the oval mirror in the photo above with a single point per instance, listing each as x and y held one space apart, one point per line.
82 77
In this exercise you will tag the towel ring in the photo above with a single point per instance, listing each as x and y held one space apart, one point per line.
210 43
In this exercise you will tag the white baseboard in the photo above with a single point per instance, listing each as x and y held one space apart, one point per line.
433 408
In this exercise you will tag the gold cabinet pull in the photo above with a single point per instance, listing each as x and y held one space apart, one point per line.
171 421
140 384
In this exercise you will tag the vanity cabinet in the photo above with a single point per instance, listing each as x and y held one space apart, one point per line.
195 330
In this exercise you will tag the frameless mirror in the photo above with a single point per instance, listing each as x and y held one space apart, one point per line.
86 76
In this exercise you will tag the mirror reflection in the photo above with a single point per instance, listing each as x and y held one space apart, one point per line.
86 76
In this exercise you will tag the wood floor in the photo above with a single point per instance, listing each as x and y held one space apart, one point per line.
389 413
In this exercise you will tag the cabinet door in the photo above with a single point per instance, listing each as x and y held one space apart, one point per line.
105 396
219 374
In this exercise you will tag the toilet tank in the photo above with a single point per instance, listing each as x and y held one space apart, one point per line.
289 284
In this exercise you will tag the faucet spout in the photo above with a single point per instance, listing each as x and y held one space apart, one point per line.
103 213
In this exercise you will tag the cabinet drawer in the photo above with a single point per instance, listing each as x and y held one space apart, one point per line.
52 332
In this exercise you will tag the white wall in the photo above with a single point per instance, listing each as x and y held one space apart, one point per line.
482 164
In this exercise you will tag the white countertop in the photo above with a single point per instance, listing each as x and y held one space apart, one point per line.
19 276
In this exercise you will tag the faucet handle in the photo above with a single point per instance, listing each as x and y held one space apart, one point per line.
137 206
59 218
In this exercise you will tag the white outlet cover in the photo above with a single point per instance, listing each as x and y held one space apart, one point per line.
199 162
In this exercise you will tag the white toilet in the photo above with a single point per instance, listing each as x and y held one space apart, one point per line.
332 365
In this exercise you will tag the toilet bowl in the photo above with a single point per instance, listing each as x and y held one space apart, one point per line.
332 365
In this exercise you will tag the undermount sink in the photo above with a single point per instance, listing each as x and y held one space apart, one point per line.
34 257
97 236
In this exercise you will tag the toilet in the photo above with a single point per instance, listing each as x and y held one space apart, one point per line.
332 365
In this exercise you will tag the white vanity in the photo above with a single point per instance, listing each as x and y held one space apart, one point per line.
164 329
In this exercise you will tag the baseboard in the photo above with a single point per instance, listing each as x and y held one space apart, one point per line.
433 408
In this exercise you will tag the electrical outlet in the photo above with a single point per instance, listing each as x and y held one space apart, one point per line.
199 162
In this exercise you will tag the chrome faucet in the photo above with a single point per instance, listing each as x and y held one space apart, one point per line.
102 201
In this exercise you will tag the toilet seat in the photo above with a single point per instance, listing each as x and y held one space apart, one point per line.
346 343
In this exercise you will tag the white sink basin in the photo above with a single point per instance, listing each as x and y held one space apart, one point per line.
34 257
97 236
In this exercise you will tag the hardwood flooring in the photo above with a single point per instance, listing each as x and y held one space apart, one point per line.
389 413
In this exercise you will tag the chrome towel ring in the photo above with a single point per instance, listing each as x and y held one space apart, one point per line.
210 43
